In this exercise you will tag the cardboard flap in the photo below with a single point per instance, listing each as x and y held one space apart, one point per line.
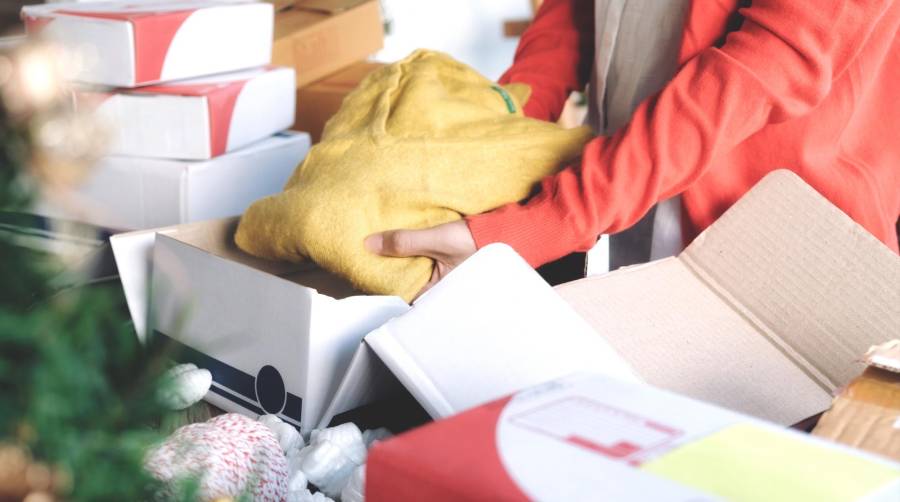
366 380
338 328
804 273
681 336
133 252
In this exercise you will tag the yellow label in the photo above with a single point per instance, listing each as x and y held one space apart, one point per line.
750 463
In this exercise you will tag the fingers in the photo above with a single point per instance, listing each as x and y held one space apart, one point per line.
450 243
400 243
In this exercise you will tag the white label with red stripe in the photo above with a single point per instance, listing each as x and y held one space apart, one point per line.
568 441
599 428
133 44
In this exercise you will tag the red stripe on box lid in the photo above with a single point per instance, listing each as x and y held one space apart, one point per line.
220 98
153 34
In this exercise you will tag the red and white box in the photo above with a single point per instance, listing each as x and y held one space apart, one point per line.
196 119
130 44
590 437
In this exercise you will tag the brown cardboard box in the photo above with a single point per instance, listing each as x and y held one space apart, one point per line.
317 102
319 37
866 414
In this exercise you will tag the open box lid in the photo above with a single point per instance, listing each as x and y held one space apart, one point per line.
765 312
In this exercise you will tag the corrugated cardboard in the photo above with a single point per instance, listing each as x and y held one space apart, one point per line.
317 39
763 314
127 193
866 414
196 119
128 44
594 438
317 102
276 336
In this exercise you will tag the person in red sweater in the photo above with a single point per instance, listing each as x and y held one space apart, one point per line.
807 85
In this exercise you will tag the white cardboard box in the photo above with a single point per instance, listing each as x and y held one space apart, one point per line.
765 313
196 119
277 337
123 44
587 437
130 193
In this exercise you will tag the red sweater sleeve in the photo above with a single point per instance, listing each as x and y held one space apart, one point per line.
778 66
554 56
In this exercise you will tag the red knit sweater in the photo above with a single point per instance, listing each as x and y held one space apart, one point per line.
808 85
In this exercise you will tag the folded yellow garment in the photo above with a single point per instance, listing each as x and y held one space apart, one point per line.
419 143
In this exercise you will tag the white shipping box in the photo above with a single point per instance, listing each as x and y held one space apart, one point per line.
129 44
128 193
196 119
764 313
276 336
587 437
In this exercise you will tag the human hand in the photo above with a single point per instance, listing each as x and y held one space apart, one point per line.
448 245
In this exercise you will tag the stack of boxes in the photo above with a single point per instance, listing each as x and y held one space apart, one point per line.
194 108
327 42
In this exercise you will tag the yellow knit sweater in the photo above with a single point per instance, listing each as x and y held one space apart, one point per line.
421 142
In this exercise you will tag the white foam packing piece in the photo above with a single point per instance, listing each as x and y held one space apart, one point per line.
346 436
354 491
288 437
332 456
307 496
327 466
184 385
297 480
333 461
